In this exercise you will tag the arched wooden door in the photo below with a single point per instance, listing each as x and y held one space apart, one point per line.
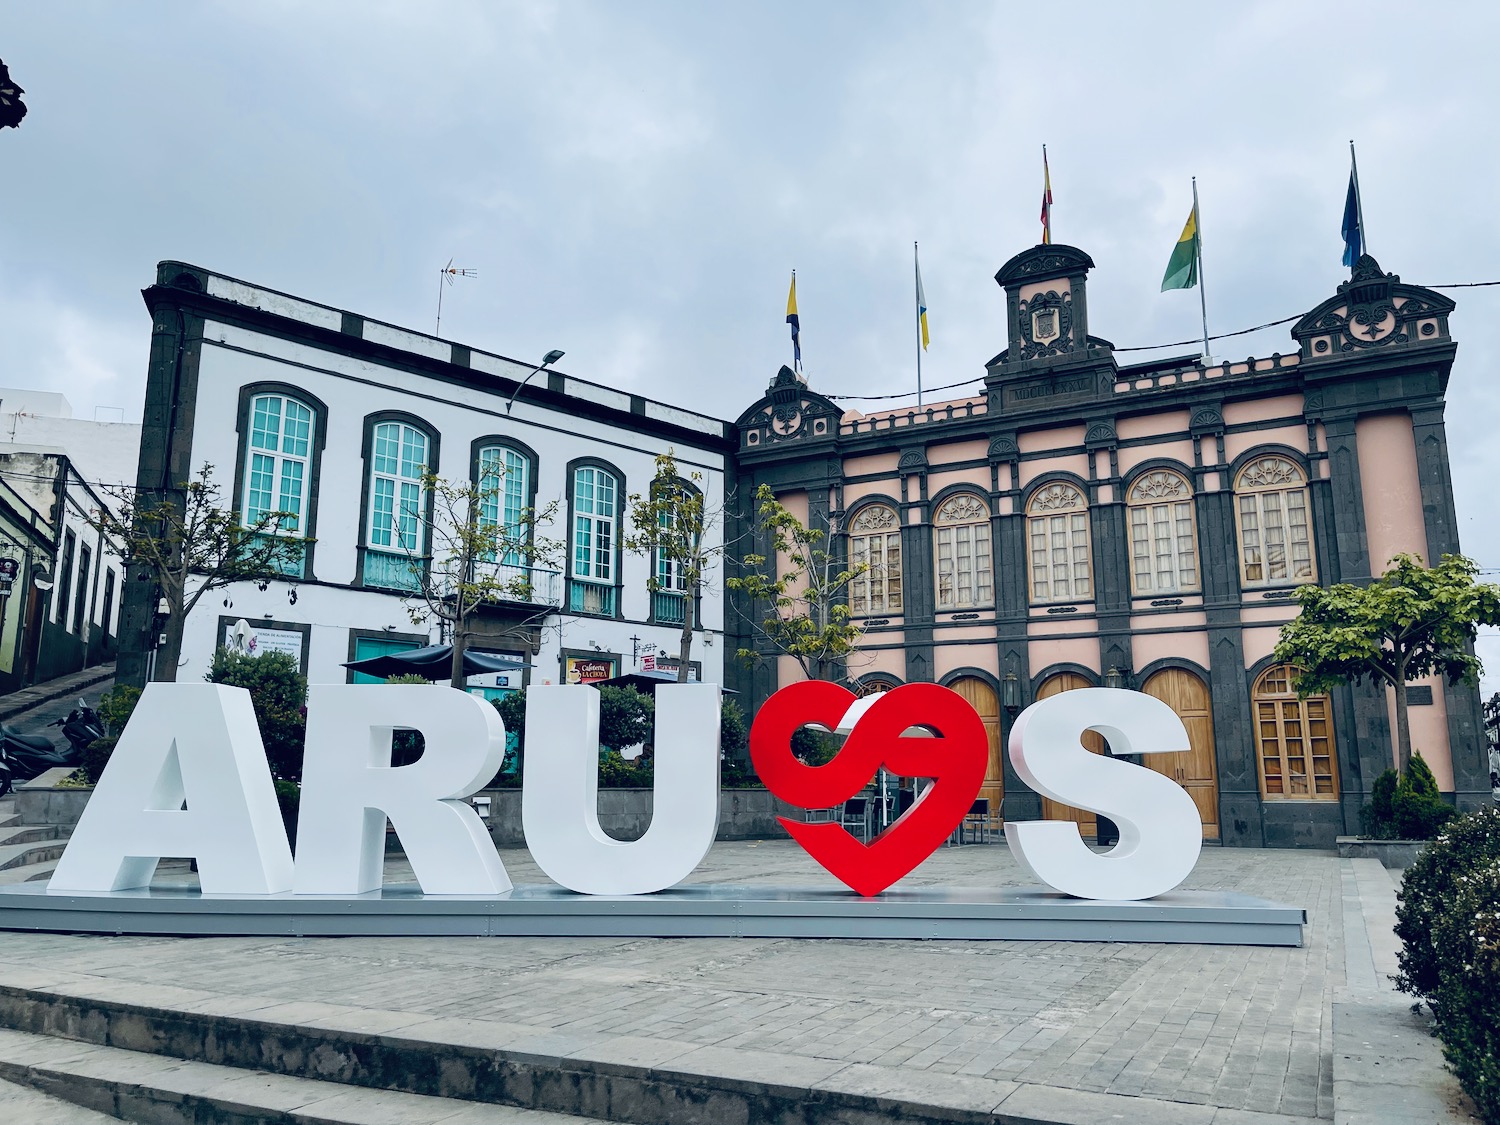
1052 810
982 698
1195 771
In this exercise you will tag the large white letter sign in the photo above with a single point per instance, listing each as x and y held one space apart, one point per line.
185 742
560 798
349 788
1160 833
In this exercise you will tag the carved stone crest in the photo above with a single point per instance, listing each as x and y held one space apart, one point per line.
1052 311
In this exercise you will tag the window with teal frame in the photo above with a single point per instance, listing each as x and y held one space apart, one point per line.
396 533
278 466
505 486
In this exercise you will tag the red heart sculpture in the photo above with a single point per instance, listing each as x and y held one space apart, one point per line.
956 759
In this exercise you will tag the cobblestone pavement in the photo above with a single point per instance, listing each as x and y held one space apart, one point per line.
1243 1028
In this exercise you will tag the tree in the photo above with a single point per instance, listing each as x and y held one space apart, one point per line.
480 556
278 692
189 543
1412 621
12 108
803 586
672 524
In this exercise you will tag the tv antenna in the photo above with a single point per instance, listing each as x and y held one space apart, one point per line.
445 277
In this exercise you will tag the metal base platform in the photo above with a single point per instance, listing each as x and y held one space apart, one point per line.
693 910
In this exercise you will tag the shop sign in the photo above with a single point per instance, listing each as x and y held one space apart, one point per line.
587 670
9 568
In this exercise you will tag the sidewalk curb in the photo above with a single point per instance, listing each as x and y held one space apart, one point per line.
24 700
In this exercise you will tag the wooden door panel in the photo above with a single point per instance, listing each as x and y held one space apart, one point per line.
1196 771
1053 810
982 698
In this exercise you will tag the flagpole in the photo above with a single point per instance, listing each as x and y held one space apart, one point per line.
1202 298
917 268
1359 203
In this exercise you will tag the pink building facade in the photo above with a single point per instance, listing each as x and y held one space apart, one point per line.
1082 523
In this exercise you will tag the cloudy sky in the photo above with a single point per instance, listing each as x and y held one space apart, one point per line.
634 182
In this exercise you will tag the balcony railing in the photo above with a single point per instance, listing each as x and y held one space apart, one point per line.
668 607
391 571
590 597
533 585
291 560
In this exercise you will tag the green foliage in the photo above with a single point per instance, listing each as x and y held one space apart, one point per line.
278 691
1467 1007
116 706
815 748
626 717
512 710
615 772
1449 925
802 587
1405 808
96 757
1410 622
289 799
1428 887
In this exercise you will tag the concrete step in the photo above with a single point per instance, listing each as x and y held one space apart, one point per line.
22 855
29 834
30 873
25 1106
162 1090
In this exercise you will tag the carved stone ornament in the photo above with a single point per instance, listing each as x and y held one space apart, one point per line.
963 508
1160 484
1004 449
1046 263
877 517
1372 309
1207 420
1270 472
1034 312
913 460
1057 497
1100 433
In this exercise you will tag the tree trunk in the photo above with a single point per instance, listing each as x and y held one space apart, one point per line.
1403 727
460 645
685 646
169 653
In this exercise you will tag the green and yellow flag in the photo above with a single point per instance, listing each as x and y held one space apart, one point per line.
1182 268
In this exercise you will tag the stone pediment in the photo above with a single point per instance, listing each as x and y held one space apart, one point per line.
788 411
1373 309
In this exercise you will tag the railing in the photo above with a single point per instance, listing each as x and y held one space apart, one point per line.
591 597
669 607
1127 380
291 560
893 420
391 571
533 585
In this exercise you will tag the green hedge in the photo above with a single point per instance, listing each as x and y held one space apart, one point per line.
1449 925
1406 808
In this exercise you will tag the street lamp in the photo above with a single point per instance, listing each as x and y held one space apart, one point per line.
547 361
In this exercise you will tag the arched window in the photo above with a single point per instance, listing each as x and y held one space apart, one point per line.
965 578
1057 530
395 530
504 496
669 601
277 461
596 507
1163 535
875 542
1293 739
1275 531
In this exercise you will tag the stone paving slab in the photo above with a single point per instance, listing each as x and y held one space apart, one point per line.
1217 1027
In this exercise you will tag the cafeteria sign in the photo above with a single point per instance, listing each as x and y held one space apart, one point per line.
585 670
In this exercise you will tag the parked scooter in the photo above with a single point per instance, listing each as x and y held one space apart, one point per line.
81 728
31 755
5 778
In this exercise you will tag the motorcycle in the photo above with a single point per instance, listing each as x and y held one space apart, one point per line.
31 755
5 778
81 728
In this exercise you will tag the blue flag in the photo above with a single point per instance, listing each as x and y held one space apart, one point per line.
1354 235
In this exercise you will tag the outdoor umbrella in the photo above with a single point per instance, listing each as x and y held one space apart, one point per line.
646 682
435 662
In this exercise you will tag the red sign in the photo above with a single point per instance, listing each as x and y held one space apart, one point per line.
956 760
648 662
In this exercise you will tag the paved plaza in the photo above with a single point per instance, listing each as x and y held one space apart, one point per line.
1246 1029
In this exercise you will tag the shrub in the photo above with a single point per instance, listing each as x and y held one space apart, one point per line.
116 706
626 717
735 771
96 757
814 747
1407 808
615 772
1467 1004
1428 890
278 691
289 797
1377 820
512 710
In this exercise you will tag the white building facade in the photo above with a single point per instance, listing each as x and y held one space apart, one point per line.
323 413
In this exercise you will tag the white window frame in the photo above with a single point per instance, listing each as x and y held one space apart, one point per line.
1163 534
591 525
1059 546
273 461
875 539
963 564
402 530
1273 516
505 491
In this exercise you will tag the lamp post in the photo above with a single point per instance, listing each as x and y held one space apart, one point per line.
547 361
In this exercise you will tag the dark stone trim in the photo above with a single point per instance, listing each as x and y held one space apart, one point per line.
319 439
367 452
1041 677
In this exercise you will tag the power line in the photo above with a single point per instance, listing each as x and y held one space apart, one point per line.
1154 347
